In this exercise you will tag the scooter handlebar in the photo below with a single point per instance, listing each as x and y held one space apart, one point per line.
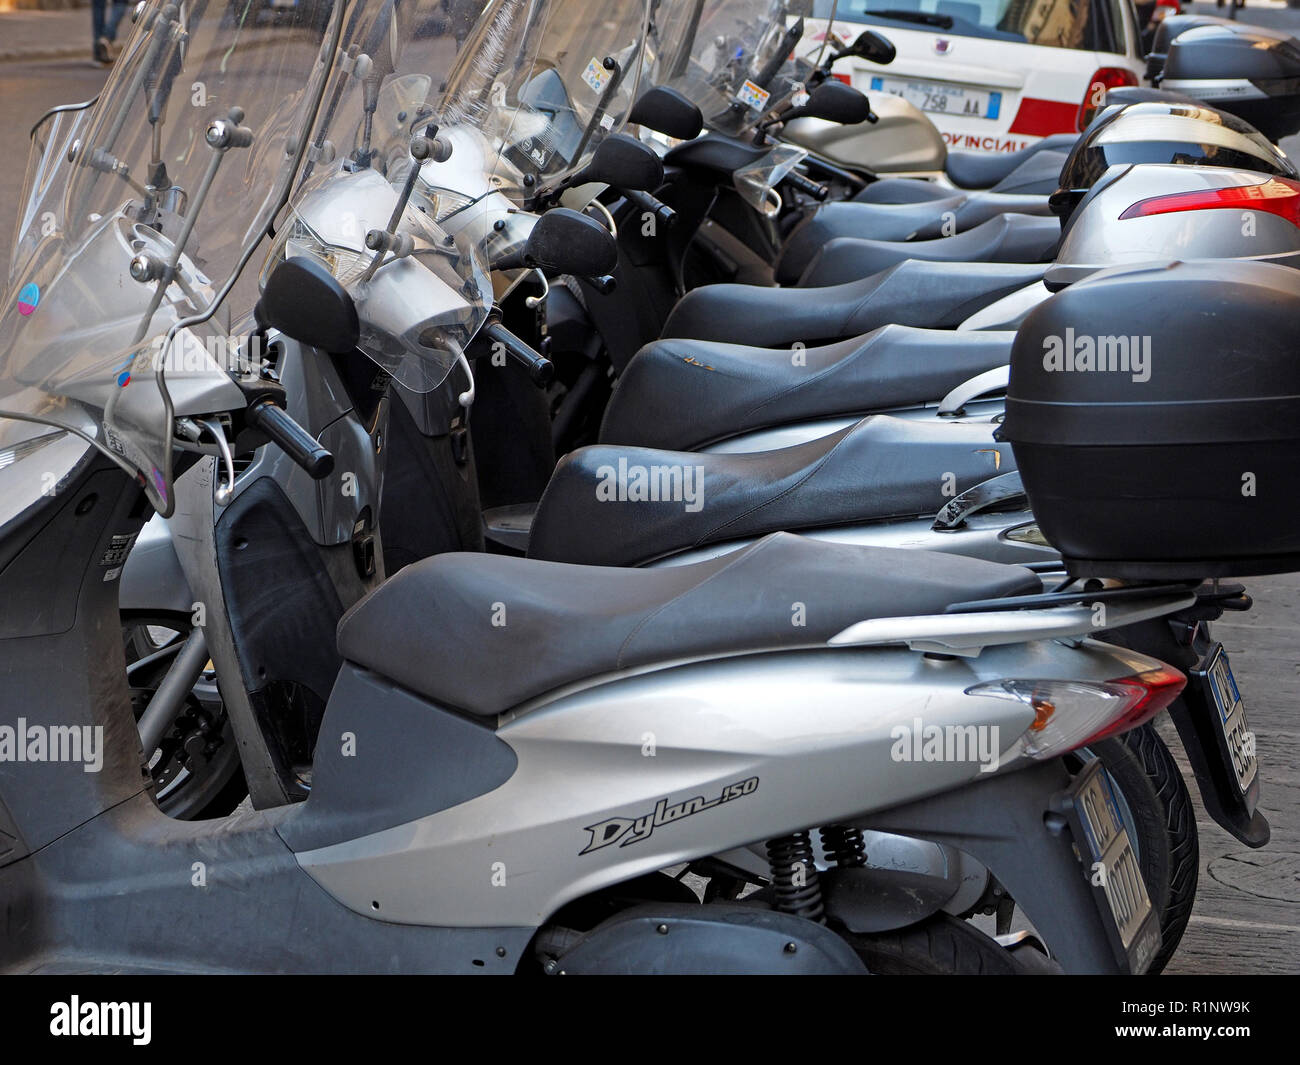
540 368
291 438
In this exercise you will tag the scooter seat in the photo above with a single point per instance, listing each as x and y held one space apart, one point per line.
1009 238
1037 175
686 394
983 170
485 633
933 295
880 468
898 222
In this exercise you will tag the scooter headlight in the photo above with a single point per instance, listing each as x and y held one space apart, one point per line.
298 238
441 204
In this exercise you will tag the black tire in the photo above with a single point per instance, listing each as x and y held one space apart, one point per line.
939 946
1164 825
185 789
1180 827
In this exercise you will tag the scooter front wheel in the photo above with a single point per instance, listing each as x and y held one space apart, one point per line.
195 769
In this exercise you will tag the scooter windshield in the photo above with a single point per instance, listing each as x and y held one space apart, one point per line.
140 214
449 115
735 59
543 82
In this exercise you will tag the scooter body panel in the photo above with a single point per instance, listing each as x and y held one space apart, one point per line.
681 762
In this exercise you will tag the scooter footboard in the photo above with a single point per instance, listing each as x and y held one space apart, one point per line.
1013 823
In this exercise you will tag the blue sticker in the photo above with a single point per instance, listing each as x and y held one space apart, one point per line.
29 297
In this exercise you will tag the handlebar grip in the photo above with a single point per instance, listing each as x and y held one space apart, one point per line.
291 438
663 214
540 368
809 188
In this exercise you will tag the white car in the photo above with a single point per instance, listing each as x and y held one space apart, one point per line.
993 75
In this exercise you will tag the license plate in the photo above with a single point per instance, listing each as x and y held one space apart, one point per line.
1113 869
942 97
1222 686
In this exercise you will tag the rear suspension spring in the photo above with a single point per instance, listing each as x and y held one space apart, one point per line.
794 875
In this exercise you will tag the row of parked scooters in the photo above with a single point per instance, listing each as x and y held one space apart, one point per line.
451 452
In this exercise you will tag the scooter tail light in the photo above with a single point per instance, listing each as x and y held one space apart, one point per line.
1279 196
1072 713
1094 97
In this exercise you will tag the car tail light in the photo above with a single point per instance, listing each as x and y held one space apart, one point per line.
1279 196
1073 713
1095 97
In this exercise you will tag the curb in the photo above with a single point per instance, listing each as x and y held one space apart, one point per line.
62 51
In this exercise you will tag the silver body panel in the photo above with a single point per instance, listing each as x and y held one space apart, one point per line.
814 728
903 143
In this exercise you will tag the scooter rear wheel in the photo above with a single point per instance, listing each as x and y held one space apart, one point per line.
938 946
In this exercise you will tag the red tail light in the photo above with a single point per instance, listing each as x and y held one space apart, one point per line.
1095 97
1174 6
1279 196
1156 689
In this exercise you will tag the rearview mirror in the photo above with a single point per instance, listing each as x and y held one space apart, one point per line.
835 102
567 242
625 163
305 302
667 111
873 47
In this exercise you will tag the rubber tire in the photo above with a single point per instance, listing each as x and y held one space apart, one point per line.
1169 851
941 945
1180 826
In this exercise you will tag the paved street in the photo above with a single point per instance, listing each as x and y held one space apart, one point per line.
1247 915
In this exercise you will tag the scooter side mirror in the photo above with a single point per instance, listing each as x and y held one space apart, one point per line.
873 47
625 163
835 102
304 301
567 242
667 111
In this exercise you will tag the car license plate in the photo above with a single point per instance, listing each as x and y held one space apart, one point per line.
1113 867
1222 685
942 98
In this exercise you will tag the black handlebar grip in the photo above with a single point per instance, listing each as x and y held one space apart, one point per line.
291 438
540 368
810 188
663 214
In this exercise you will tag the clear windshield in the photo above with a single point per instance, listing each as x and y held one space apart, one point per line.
140 214
517 93
543 82
735 59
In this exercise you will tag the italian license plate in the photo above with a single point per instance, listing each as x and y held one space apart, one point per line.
1113 867
1239 740
942 97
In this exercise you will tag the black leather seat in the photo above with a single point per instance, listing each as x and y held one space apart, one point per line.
877 469
899 222
1037 175
1009 238
983 170
430 628
934 295
685 394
